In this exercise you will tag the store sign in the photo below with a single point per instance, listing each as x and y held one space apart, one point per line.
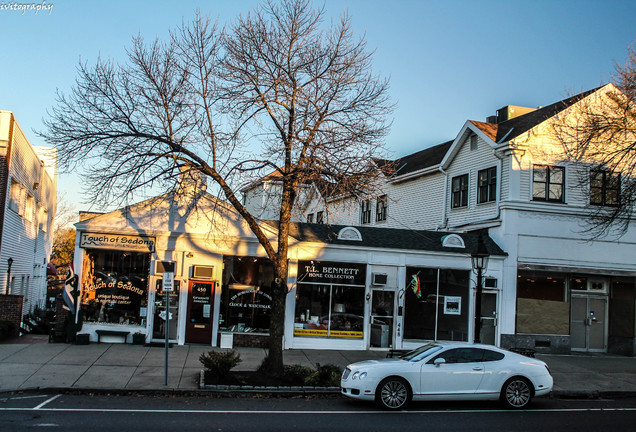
120 242
330 333
329 272
251 299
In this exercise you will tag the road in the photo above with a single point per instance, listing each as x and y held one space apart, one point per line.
68 412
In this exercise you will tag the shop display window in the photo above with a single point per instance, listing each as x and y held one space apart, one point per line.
330 300
115 287
542 303
436 304
246 294
329 311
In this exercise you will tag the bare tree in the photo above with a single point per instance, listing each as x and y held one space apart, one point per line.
601 134
280 91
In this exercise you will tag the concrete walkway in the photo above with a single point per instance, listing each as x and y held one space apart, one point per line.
33 364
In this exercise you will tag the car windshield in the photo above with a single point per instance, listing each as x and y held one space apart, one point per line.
421 352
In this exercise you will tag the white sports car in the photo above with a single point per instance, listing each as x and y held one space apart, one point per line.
448 371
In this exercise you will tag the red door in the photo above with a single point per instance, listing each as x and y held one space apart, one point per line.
200 308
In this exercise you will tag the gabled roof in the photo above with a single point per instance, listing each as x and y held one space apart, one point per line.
516 126
489 129
422 159
389 238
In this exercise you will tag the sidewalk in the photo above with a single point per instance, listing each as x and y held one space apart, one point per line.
32 364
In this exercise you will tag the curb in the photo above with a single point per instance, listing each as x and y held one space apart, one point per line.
591 394
224 388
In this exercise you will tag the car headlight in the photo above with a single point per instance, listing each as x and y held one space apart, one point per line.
359 375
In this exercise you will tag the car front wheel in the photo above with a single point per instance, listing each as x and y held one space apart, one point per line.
393 393
516 393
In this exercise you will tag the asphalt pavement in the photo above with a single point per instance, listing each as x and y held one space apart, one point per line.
31 363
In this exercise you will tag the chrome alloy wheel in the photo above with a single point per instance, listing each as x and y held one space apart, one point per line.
394 393
517 393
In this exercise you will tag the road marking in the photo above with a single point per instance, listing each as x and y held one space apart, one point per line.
47 401
305 412
23 397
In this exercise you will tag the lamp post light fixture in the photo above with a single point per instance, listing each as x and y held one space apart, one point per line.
479 261
9 264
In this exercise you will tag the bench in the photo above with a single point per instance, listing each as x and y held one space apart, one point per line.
120 333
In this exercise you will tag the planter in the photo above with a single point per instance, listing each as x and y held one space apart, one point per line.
81 339
138 338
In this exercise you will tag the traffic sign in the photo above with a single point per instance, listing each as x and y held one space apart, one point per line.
168 281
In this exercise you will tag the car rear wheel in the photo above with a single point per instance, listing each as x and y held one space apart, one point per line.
393 393
516 393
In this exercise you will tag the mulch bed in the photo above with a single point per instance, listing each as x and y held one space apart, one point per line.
249 378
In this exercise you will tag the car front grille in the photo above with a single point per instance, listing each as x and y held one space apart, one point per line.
346 373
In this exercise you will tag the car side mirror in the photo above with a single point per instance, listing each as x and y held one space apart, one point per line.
439 361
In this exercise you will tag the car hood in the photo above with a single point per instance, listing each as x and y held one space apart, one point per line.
369 364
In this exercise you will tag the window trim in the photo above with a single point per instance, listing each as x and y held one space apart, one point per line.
381 208
463 192
547 183
320 217
310 218
490 186
365 212
15 196
606 176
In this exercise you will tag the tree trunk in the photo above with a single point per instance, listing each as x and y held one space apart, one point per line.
277 323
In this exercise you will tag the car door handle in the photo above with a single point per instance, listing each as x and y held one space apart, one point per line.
477 368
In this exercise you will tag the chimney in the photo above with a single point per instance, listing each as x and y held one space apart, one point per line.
509 112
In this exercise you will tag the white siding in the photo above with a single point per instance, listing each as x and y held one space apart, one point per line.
470 162
23 240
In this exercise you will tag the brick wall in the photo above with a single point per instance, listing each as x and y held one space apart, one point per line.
249 340
11 310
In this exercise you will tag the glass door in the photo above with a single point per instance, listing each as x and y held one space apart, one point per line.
159 319
488 333
382 318
588 323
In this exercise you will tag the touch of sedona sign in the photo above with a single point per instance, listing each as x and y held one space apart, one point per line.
120 242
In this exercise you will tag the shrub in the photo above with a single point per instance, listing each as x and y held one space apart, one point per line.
325 376
219 363
7 329
298 374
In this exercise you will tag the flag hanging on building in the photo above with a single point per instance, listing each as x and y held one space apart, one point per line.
415 285
67 294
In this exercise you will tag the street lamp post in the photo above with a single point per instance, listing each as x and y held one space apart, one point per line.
10 263
479 261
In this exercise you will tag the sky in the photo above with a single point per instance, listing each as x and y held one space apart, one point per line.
448 61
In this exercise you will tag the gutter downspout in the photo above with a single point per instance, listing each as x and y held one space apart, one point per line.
444 221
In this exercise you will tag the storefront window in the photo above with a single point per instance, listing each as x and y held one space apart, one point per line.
330 300
246 294
436 314
622 308
542 303
115 287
